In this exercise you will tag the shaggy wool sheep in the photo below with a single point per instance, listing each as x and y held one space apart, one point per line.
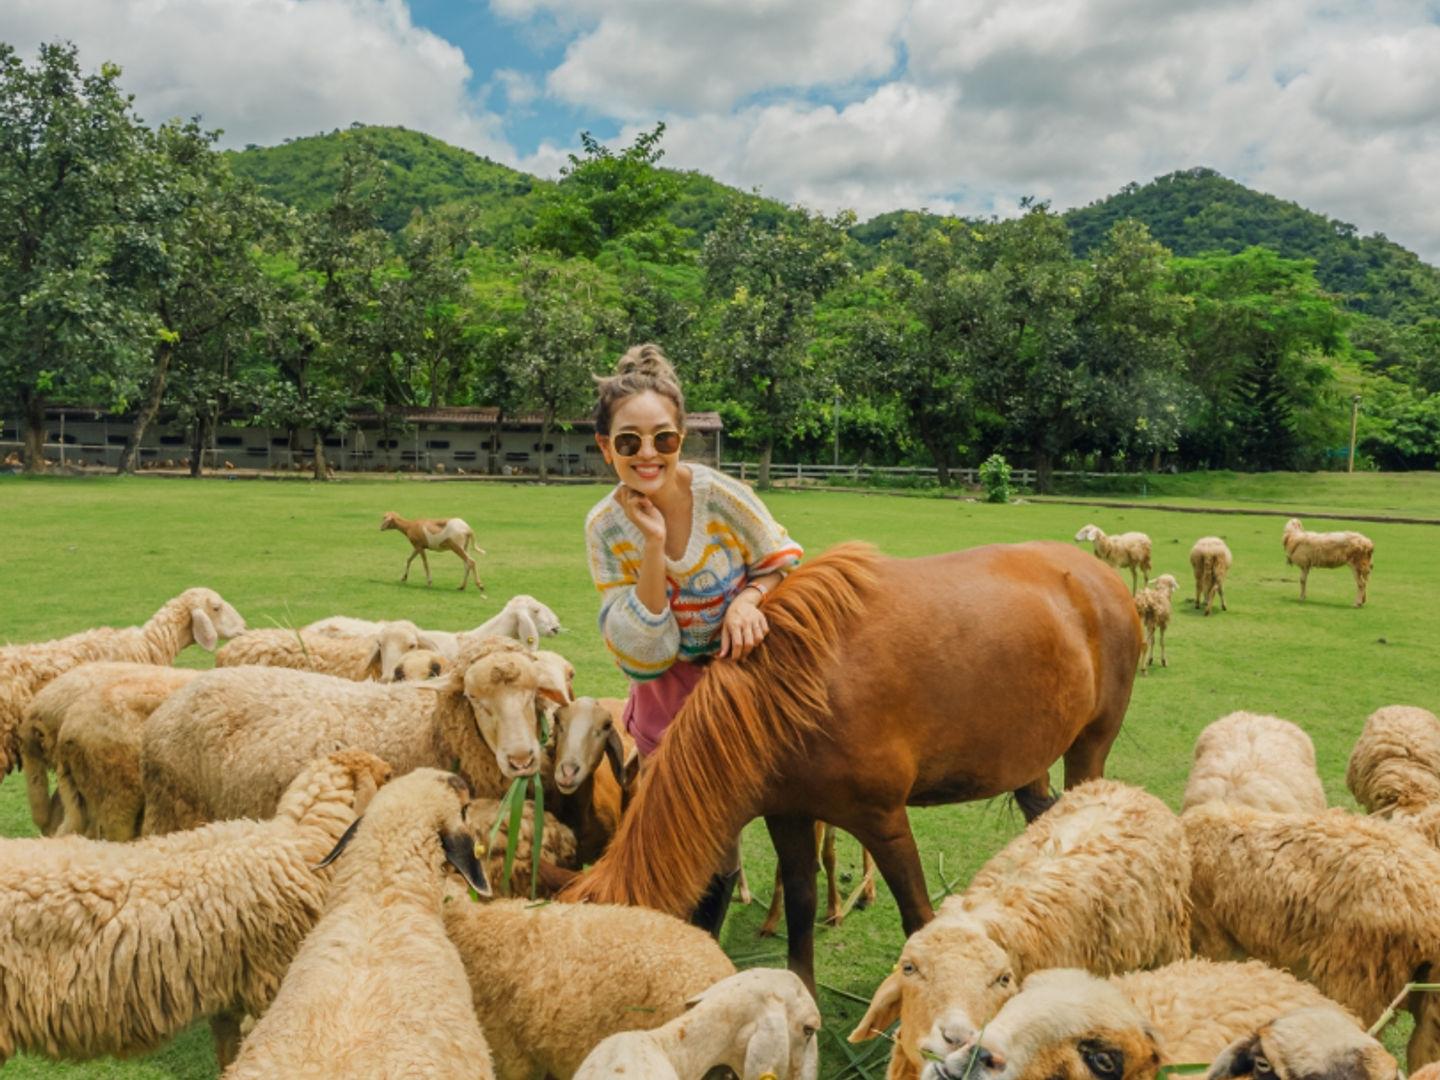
196 615
544 1008
1063 1025
1210 559
1153 604
419 665
113 948
523 618
1347 902
370 656
1306 1044
377 989
1254 760
761 1024
1308 550
226 745
1395 764
1098 881
1129 550
557 845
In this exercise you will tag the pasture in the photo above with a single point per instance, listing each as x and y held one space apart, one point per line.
87 552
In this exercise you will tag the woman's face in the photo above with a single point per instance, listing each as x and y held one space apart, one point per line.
645 414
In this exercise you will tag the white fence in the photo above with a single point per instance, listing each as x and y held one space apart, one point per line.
748 470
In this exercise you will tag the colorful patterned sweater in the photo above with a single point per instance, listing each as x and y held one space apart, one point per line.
733 538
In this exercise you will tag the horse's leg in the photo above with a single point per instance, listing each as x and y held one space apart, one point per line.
794 840
889 839
1035 798
1085 760
825 841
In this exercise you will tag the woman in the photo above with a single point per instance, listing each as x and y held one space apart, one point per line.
683 557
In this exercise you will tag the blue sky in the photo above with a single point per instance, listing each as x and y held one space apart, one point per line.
954 105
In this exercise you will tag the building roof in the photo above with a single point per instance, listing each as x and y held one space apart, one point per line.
477 416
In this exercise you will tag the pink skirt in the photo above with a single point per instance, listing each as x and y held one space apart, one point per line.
652 706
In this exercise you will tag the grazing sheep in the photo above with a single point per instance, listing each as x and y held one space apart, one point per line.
114 948
762 1024
1304 1045
1328 550
1153 604
1210 559
371 656
1126 550
1395 764
557 845
226 745
588 799
419 665
1098 881
88 724
1254 760
1347 902
436 534
196 615
523 618
377 989
601 968
1063 1025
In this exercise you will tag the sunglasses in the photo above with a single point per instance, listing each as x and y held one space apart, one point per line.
629 443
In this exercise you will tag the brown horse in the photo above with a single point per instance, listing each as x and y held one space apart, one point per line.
883 683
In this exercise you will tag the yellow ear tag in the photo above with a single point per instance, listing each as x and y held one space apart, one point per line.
768 1076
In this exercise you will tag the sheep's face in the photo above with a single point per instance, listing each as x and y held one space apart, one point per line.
584 732
1089 532
1063 1025
1166 583
781 1023
547 623
1293 528
502 689
393 641
420 665
950 979
1307 1043
211 618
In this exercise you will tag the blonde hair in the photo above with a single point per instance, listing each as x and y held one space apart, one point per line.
643 367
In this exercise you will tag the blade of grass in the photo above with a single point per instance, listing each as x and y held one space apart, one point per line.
517 819
537 791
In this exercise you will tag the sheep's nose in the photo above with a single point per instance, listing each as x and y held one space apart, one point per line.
568 773
989 1059
956 1034
522 764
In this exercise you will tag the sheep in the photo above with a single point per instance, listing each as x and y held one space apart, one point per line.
1063 1025
760 1023
1345 901
1395 764
1153 605
1099 880
1254 760
419 665
1125 550
197 615
1306 1044
377 989
371 656
88 723
226 745
588 799
114 948
557 844
1328 550
523 618
1210 559
436 534
551 981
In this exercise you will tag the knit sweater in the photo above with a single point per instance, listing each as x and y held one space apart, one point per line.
733 539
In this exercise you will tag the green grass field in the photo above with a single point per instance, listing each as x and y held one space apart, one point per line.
81 553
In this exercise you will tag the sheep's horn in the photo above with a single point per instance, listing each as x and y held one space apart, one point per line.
460 853
341 844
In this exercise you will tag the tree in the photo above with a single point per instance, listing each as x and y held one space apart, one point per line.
766 282
70 152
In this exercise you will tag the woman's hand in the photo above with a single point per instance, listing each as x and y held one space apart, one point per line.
744 628
644 513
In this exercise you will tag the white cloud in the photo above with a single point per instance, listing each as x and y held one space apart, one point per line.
267 69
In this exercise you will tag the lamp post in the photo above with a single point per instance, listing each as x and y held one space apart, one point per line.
1354 418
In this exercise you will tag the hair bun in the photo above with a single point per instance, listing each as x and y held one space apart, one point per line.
646 360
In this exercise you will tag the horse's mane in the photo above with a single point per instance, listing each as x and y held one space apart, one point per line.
708 776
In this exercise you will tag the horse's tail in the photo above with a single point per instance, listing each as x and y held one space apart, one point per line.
709 776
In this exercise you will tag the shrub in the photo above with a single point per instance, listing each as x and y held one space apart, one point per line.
995 478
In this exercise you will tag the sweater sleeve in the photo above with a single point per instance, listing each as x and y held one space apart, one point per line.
643 643
766 546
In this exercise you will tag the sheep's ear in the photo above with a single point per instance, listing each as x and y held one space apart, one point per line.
1237 1059
615 754
203 630
460 853
372 663
554 686
425 641
526 630
341 844
884 1010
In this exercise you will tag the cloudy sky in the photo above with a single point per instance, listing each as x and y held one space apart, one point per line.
955 105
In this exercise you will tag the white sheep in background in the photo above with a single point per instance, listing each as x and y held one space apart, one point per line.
523 618
1254 760
759 1023
1210 559
418 665
87 725
1153 604
377 989
114 948
639 969
1308 550
226 745
1098 881
369 656
1303 1045
196 615
1395 764
1129 550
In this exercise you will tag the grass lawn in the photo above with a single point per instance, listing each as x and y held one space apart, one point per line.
86 552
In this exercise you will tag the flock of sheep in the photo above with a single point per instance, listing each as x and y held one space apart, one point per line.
282 845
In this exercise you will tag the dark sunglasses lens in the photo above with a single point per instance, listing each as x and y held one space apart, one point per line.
667 442
627 444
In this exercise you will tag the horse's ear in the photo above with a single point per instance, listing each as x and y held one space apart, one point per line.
884 1010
